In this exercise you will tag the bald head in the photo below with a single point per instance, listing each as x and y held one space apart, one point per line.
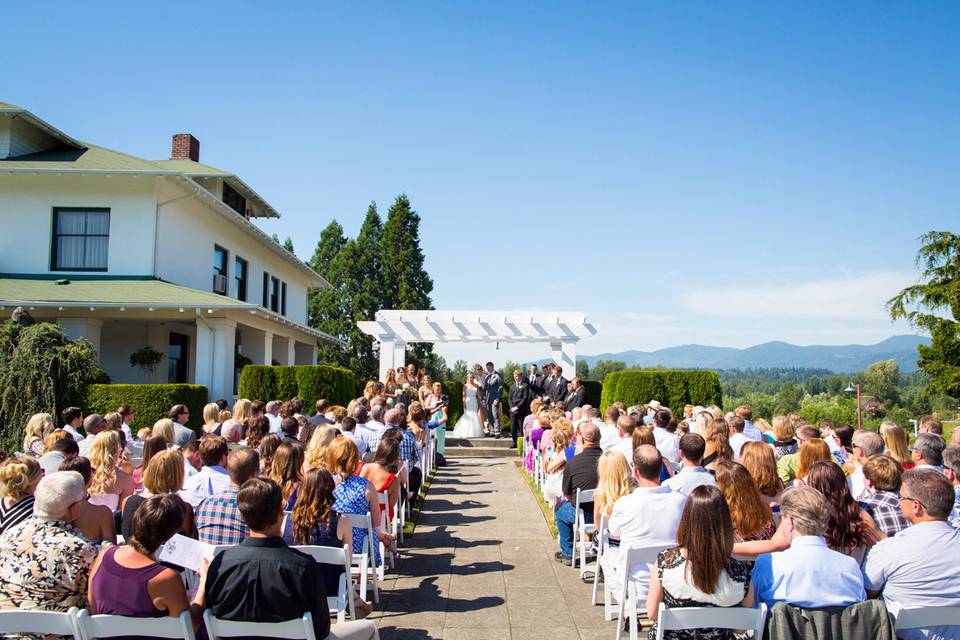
590 434
647 462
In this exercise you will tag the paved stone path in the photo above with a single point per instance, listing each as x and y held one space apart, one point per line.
481 566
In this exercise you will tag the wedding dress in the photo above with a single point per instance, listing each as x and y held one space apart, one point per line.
469 426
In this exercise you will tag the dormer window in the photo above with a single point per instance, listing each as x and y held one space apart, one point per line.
81 239
234 200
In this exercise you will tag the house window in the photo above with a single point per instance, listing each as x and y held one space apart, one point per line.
266 290
283 299
274 294
80 239
234 200
177 355
240 275
220 258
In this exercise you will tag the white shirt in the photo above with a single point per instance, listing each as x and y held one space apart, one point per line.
737 441
647 517
918 567
274 423
358 439
85 444
856 481
625 446
209 481
688 479
609 436
667 444
73 432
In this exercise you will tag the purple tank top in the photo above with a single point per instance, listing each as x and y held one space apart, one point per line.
122 591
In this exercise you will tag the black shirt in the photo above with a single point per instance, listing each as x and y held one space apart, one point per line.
581 473
264 580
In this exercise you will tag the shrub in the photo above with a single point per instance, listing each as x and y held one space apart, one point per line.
592 392
454 392
673 388
150 402
310 382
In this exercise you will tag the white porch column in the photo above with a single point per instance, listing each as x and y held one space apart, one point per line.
313 353
387 353
291 351
556 352
203 358
89 328
223 345
267 347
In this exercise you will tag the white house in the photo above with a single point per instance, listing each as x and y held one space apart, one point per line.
131 253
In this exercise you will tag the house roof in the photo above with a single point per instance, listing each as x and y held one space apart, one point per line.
12 109
121 292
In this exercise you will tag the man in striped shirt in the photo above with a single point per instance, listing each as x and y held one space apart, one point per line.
218 517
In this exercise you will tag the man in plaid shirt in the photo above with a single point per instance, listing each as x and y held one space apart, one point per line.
409 448
882 477
218 517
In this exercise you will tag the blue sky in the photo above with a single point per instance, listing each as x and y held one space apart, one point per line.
719 173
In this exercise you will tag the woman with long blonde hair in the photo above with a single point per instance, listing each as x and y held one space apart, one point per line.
784 442
110 484
287 471
896 444
613 483
163 476
316 453
555 460
211 419
165 429
39 426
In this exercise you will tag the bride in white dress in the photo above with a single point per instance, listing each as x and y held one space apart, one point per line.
469 425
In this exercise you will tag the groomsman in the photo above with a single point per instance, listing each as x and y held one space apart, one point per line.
519 400
535 382
575 396
555 387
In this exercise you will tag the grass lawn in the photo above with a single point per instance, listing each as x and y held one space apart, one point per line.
544 508
411 523
948 428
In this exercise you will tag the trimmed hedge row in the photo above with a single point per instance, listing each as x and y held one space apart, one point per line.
150 402
310 382
592 392
454 392
673 388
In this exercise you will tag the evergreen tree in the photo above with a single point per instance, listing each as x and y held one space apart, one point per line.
327 308
363 264
405 283
934 305
288 244
459 371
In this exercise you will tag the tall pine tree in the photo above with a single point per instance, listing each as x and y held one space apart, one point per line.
327 308
362 257
406 284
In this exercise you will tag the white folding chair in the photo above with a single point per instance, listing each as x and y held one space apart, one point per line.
17 621
343 601
101 626
365 564
618 585
296 629
603 532
710 618
384 501
923 617
581 529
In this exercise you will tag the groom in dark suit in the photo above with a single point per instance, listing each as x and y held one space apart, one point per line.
519 400
555 387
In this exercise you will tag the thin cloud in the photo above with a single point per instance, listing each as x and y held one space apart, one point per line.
857 297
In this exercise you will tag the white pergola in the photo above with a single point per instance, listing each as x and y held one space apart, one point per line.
395 329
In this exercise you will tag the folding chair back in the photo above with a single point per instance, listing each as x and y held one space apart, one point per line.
339 557
924 617
687 618
297 629
366 561
61 623
102 626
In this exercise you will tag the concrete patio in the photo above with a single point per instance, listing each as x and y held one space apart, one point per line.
480 565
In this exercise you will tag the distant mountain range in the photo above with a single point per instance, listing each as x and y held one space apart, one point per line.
839 359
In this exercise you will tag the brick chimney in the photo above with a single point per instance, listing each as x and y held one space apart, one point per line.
185 147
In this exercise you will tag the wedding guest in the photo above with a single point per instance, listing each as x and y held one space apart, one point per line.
385 472
211 419
289 429
19 477
643 435
96 522
212 477
919 567
59 446
163 476
737 438
718 443
92 425
39 426
72 418
745 412
625 427
667 443
850 529
180 414
692 474
166 430
951 469
355 495
45 560
286 470
320 417
613 482
218 518
752 516
267 449
927 452
579 473
699 571
897 443
555 461
257 428
110 484
811 451
808 574
128 580
273 415
930 424
316 451
650 515
882 478
758 459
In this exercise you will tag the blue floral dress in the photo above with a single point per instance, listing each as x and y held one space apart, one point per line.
350 497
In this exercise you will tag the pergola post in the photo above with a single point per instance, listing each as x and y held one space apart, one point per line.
386 356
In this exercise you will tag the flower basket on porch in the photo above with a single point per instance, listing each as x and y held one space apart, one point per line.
146 359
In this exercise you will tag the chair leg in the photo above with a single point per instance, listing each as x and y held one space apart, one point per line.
596 582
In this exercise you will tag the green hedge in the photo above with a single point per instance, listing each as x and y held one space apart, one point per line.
673 388
150 402
454 392
592 392
310 382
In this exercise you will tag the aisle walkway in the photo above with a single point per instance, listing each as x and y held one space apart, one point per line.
481 566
